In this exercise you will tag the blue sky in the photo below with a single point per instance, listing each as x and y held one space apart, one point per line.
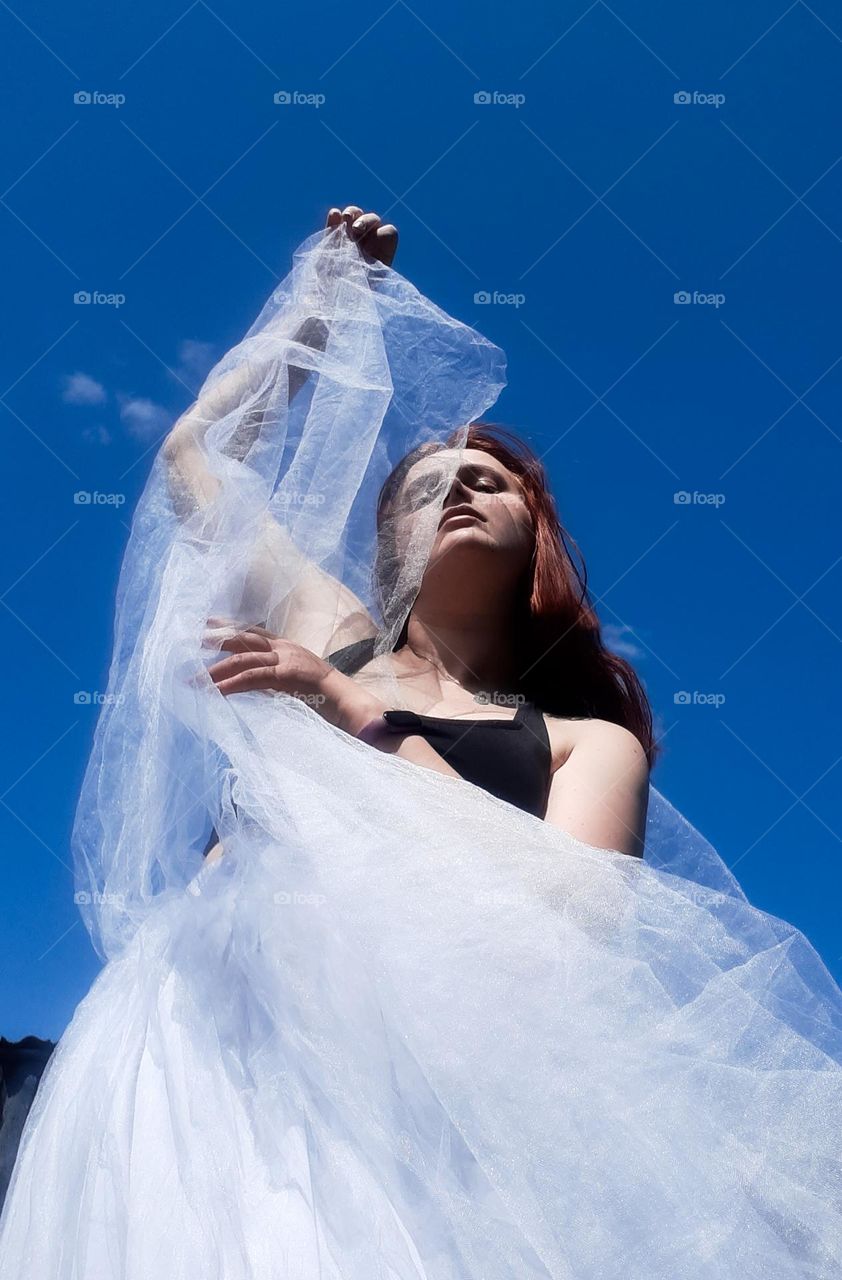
579 194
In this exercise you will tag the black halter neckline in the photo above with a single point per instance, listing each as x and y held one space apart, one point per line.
515 769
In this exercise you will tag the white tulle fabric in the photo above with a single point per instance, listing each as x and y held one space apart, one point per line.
401 1029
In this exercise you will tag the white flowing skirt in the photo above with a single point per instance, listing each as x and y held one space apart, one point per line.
403 1030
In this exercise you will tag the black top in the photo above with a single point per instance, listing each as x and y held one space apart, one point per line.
509 758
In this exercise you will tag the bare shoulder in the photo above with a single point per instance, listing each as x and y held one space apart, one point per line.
600 740
599 791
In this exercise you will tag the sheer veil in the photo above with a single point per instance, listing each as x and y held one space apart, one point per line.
345 370
400 1027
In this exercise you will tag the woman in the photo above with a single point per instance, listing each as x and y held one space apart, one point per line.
402 1027
500 608
467 642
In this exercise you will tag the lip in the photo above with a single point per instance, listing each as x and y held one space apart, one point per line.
462 510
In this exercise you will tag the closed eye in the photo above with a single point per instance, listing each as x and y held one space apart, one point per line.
483 479
422 491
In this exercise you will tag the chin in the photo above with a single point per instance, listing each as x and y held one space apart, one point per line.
464 535
459 552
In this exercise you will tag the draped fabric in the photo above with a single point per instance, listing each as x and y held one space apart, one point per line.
400 1029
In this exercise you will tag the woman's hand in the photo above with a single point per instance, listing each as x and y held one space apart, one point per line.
376 239
260 660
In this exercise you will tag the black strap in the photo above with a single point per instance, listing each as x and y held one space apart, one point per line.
349 659
352 657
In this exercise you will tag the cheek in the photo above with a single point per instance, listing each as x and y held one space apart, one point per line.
413 532
511 520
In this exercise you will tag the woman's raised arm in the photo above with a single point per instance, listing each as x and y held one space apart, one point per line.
320 612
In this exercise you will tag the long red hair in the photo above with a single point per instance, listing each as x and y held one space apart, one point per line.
565 667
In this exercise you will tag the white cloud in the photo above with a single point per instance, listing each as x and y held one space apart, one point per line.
144 419
195 360
616 639
97 435
79 388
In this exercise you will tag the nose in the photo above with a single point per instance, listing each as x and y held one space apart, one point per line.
459 492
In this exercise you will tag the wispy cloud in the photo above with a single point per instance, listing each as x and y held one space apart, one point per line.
617 639
97 435
80 388
142 418
195 361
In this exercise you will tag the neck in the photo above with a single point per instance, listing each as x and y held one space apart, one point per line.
474 646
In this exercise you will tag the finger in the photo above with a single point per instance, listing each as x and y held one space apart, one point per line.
245 681
219 631
334 217
385 242
247 642
216 637
238 663
237 624
364 225
350 213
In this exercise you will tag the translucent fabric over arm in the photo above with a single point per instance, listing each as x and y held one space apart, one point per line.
261 508
401 1028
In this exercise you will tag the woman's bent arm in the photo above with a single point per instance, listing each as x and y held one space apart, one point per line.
320 612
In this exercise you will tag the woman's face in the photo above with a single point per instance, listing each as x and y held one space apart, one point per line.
484 511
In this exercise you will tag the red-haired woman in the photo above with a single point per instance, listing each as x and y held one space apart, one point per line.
404 1027
501 636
